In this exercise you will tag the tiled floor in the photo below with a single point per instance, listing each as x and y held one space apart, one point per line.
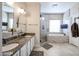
60 49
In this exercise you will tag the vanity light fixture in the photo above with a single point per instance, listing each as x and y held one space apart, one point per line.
20 11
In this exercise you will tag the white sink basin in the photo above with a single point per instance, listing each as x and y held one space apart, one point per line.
28 36
9 47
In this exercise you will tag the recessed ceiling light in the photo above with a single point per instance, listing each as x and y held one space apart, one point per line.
54 5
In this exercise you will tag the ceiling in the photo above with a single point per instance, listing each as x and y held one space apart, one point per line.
58 7
7 8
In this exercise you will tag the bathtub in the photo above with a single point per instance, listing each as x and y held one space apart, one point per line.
57 38
56 34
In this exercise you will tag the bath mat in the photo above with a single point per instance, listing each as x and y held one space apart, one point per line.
47 46
37 53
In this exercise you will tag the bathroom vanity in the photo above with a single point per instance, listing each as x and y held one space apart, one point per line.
24 47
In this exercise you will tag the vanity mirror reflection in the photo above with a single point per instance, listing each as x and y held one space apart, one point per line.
7 21
12 25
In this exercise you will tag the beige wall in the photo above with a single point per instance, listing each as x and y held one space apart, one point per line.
31 19
22 18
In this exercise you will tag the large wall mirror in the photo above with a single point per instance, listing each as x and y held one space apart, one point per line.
7 20
8 16
12 15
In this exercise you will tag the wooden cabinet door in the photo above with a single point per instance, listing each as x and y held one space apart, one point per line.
16 54
24 50
29 47
32 43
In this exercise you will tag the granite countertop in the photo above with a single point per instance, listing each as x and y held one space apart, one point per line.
21 41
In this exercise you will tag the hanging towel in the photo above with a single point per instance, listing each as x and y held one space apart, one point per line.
74 29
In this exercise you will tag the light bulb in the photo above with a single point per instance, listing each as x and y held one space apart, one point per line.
21 11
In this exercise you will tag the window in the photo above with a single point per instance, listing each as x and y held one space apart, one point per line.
4 19
54 25
10 23
7 19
